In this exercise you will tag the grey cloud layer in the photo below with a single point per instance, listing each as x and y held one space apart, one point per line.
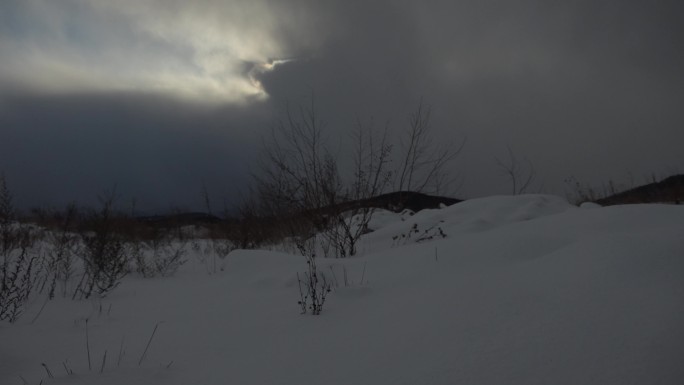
585 88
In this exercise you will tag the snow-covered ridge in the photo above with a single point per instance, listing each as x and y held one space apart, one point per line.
467 217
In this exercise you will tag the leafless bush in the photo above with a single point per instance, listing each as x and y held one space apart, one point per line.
520 175
313 288
301 186
18 272
424 164
19 276
371 177
580 192
252 229
166 255
417 235
224 235
8 239
61 254
137 251
104 254
299 176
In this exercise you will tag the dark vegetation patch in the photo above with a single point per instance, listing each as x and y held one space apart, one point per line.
669 190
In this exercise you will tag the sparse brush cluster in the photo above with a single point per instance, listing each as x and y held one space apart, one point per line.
18 273
105 258
414 234
301 198
80 254
160 254
301 188
61 258
313 288
105 362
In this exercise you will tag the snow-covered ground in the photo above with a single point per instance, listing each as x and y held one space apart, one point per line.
499 290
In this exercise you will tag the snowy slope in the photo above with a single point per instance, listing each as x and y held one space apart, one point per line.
522 290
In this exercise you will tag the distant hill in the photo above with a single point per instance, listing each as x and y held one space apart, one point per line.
189 218
401 200
669 190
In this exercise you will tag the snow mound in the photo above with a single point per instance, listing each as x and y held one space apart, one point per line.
383 218
471 216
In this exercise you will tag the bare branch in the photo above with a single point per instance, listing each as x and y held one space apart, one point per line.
424 164
520 176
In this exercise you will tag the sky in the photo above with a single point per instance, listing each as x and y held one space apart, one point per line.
162 100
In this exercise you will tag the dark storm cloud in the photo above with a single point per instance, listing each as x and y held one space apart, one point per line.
584 88
157 151
590 89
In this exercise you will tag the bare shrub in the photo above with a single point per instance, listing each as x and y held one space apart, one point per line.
520 175
302 189
19 276
8 239
370 178
166 254
157 249
583 192
223 234
299 176
18 272
104 254
423 163
417 235
313 288
61 255
252 229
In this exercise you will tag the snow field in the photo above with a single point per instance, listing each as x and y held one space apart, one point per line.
522 290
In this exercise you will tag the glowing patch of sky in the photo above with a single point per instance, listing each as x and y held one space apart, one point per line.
204 50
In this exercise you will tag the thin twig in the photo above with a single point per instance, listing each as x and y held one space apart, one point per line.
302 298
40 311
118 361
363 274
337 284
148 344
104 360
49 373
67 368
88 345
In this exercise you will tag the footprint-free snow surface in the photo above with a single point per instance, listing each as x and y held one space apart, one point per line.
500 290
